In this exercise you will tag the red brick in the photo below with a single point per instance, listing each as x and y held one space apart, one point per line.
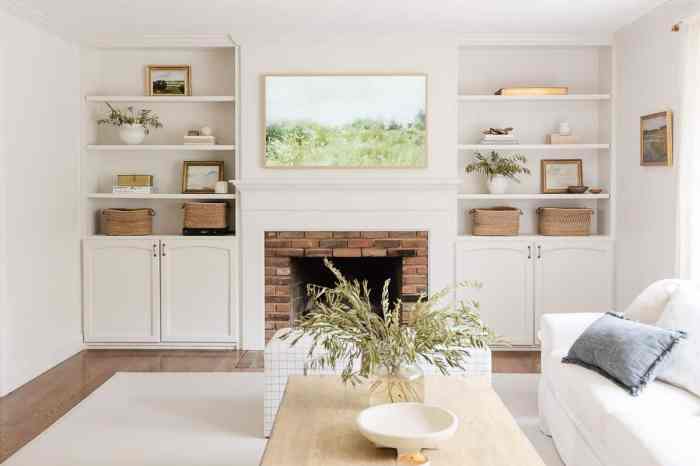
347 252
422 234
289 252
270 234
318 252
269 252
305 243
415 261
401 252
333 243
422 252
402 234
387 243
277 280
277 261
360 243
270 271
269 307
277 243
375 234
282 291
374 252
422 270
282 307
415 279
409 289
269 291
409 270
290 234
319 234
283 271
422 289
346 234
414 243
276 299
275 317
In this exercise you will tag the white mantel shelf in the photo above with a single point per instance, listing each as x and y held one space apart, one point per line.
511 98
168 99
532 196
158 196
477 147
347 183
158 147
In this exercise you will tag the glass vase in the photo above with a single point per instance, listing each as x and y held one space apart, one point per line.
402 384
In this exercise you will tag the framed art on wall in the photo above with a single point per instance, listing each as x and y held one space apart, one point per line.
168 80
557 175
656 139
345 121
201 177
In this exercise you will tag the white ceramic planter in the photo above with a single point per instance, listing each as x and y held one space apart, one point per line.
498 185
132 134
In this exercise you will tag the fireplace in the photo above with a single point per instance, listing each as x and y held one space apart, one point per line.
294 259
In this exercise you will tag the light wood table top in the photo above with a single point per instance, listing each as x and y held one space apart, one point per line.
315 426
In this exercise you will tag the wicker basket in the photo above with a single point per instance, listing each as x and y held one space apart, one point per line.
556 221
127 222
496 221
205 214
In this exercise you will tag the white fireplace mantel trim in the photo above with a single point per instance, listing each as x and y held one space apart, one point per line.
347 183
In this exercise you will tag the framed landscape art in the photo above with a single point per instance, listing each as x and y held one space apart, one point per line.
656 135
345 121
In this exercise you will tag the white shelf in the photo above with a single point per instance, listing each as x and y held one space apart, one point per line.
156 236
514 147
532 196
154 147
169 99
511 98
158 196
533 238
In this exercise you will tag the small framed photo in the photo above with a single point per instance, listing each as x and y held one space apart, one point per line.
201 177
558 175
165 80
657 139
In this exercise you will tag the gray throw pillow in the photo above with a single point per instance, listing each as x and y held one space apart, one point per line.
626 352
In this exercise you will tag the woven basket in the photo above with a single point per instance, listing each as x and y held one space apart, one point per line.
496 221
555 221
205 214
127 222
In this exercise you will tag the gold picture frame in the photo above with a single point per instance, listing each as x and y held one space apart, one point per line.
558 174
172 80
196 179
656 139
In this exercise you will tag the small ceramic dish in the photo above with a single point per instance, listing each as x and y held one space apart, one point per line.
596 190
577 189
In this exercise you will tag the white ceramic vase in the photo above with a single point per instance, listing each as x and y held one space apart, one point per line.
132 134
498 184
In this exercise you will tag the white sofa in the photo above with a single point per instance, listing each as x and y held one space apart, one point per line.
593 422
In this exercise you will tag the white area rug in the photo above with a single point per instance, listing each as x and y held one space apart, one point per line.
199 419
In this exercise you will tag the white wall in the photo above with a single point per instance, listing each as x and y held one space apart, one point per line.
649 73
39 246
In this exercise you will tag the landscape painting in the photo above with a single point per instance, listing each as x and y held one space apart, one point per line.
163 80
345 121
657 139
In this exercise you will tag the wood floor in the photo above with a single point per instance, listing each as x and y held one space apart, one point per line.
32 408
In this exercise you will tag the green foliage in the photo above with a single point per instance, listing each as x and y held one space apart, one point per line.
117 117
343 323
362 143
494 165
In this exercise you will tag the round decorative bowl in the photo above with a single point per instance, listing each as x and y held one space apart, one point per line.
596 190
577 189
408 427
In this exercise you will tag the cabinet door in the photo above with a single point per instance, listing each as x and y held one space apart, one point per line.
198 290
504 267
573 276
121 290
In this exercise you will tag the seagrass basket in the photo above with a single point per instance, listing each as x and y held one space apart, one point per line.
205 214
496 221
127 222
561 221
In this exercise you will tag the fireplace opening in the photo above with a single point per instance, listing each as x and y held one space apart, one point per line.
375 270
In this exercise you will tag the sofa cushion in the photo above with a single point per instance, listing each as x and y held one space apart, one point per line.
626 352
648 306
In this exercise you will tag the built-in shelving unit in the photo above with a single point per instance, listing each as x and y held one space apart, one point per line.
545 147
160 196
161 99
516 197
160 147
525 98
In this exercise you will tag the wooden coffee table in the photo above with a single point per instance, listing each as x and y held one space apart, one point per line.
315 426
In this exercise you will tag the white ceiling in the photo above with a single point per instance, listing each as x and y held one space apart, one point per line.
87 20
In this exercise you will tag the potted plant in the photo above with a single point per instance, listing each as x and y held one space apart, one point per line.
499 170
376 344
133 126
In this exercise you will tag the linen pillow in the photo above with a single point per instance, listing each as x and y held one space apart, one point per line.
650 304
683 312
626 352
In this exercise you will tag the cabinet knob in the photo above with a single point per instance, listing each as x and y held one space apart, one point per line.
162 246
529 252
539 252
155 250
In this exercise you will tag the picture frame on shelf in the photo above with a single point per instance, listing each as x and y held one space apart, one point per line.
656 139
200 177
168 80
558 174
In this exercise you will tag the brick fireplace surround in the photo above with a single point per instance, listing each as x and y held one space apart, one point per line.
282 246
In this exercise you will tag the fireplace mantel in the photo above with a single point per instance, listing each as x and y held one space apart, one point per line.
337 183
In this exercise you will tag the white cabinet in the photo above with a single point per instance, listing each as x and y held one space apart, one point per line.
160 290
505 270
198 296
525 278
121 291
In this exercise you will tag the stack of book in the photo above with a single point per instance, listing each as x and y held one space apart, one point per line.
133 184
497 139
206 140
530 91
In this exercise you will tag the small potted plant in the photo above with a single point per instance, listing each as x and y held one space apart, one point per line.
133 126
499 170
383 346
